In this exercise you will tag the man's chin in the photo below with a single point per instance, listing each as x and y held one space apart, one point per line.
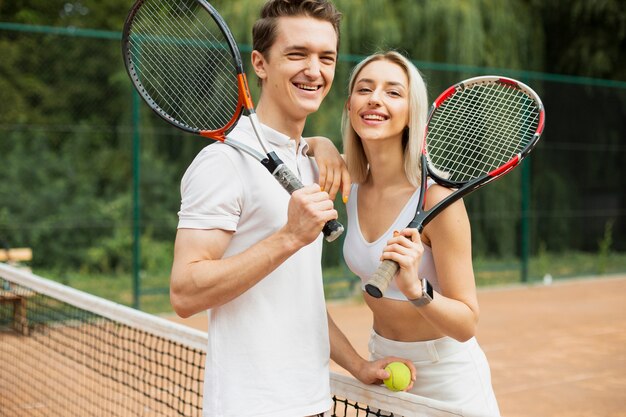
309 107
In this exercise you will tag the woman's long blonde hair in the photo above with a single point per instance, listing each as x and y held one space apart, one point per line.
413 137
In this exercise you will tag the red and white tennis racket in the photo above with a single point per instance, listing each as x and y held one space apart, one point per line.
477 131
184 62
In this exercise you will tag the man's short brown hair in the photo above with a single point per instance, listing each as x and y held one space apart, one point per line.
264 29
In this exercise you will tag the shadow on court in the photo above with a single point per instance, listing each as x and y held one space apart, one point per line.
554 351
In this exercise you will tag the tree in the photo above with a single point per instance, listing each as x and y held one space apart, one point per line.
586 38
65 117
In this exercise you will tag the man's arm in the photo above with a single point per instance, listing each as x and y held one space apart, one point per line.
201 279
343 353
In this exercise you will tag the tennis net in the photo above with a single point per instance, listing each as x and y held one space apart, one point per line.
67 353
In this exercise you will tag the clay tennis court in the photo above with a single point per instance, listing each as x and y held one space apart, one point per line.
555 351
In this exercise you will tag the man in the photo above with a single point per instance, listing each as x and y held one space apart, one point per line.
249 254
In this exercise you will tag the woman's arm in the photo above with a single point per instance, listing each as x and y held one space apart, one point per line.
453 312
332 168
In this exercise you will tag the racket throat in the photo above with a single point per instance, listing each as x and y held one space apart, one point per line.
418 222
281 172
272 162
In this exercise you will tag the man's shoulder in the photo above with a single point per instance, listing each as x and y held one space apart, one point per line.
216 160
218 151
223 162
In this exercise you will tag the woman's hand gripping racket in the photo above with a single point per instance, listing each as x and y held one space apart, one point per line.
184 62
477 131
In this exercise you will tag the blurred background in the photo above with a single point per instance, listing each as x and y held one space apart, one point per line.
89 177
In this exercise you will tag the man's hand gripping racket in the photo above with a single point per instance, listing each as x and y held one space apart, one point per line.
185 64
477 131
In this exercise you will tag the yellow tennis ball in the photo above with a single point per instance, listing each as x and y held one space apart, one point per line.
399 376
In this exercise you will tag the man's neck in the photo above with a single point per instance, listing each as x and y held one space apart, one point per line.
277 120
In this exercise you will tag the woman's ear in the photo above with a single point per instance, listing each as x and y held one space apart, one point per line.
258 64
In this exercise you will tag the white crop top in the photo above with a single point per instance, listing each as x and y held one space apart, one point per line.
363 257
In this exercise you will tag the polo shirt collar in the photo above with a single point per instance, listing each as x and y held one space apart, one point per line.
274 137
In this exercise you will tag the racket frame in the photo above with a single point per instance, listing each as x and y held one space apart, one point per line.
378 283
272 162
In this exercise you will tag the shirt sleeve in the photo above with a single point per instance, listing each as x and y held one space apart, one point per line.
211 192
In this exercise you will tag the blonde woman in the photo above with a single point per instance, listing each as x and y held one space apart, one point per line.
433 326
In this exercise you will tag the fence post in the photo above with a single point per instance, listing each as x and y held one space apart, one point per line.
525 227
136 201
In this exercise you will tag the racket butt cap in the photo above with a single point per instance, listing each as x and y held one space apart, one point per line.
373 291
332 230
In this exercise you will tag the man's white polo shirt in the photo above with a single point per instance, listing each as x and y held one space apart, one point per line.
268 352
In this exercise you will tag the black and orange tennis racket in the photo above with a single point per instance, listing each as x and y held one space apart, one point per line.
184 62
477 131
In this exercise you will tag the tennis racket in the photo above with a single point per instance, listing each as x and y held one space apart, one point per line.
477 131
184 62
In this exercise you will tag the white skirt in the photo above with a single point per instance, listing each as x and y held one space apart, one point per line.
447 370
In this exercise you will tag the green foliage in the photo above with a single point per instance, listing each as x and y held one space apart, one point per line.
589 35
543 259
368 25
604 247
66 124
471 32
494 215
112 255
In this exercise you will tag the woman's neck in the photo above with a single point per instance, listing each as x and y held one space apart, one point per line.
386 164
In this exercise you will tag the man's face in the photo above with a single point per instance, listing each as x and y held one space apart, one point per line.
299 68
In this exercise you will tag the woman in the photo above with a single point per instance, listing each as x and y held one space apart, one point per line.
383 124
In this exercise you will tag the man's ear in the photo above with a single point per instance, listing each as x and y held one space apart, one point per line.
258 64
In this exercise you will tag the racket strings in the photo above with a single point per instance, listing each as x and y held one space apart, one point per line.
490 152
479 129
190 108
176 30
185 64
187 110
476 149
195 43
482 132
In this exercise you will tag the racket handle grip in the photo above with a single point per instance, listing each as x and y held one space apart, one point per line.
379 281
332 229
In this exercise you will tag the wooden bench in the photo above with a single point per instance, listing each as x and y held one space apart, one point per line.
17 296
15 255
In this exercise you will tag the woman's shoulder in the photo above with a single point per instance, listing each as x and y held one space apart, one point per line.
435 194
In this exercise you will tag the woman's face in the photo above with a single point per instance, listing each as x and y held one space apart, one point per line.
379 103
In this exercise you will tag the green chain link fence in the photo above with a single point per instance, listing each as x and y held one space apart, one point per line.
90 178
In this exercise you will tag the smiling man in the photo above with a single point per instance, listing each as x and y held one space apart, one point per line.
248 252
296 72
